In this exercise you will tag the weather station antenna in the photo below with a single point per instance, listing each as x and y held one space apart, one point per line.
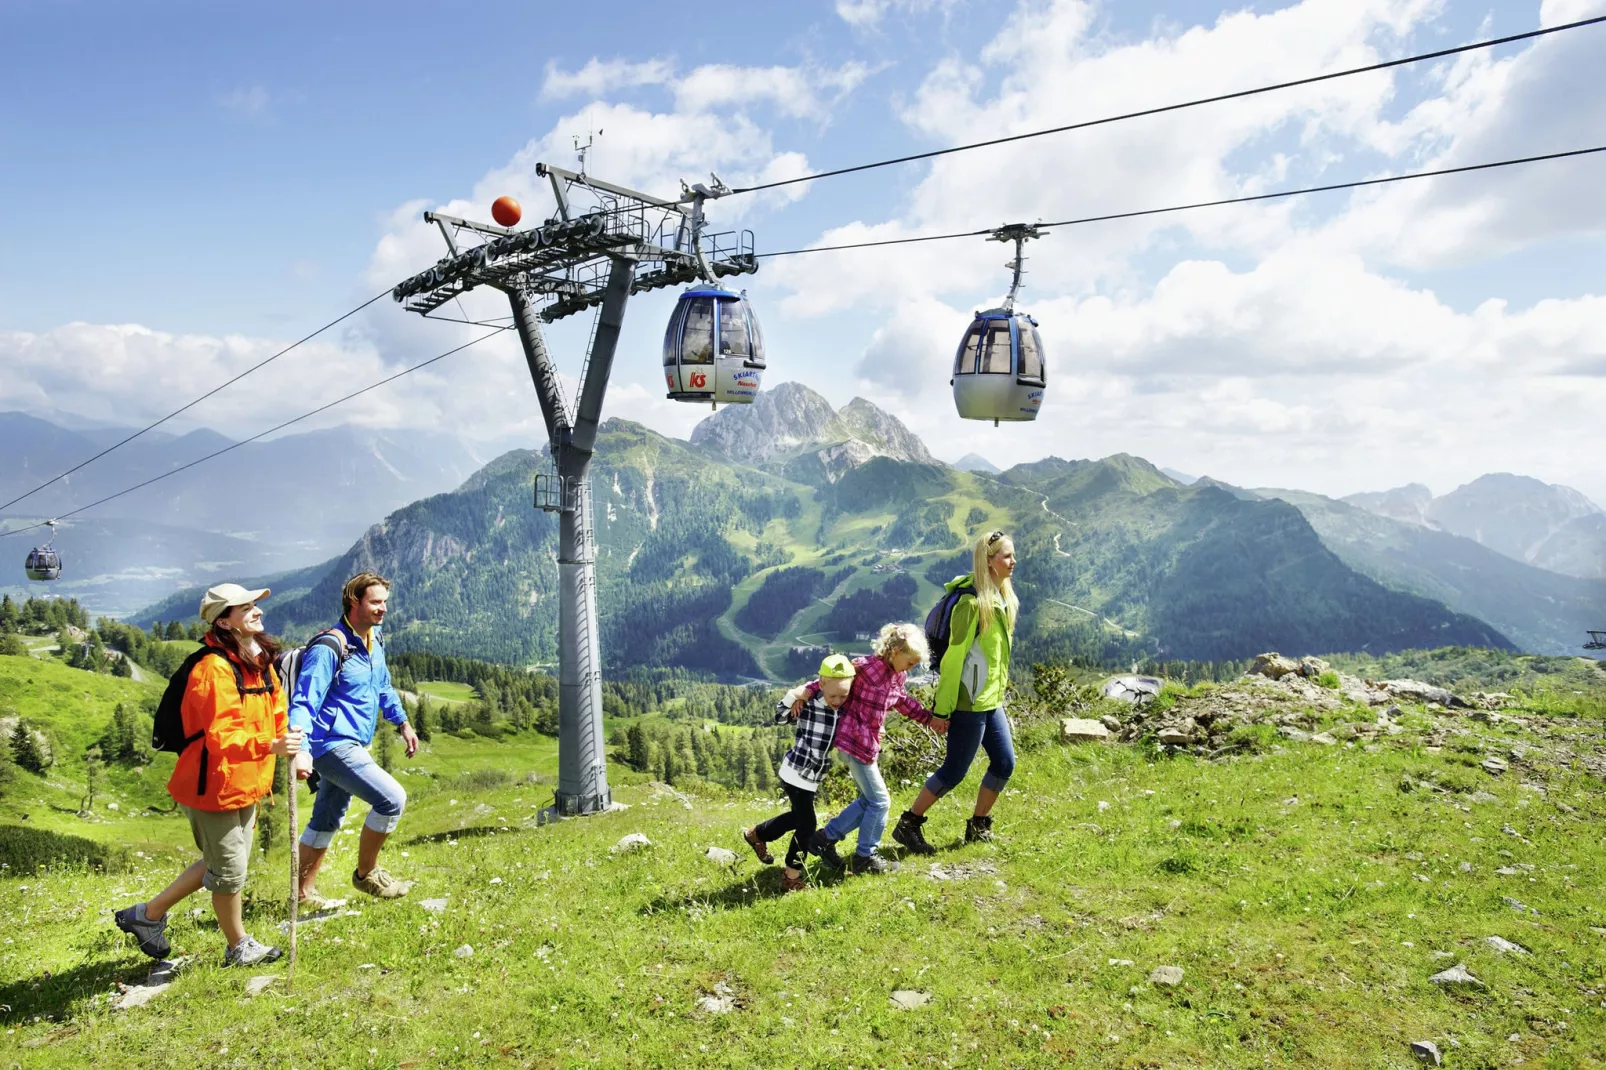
603 243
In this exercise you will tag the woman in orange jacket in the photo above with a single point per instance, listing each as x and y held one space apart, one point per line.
235 706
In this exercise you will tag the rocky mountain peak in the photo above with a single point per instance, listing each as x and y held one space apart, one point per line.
1409 504
790 417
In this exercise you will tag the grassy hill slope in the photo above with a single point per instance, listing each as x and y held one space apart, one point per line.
1305 896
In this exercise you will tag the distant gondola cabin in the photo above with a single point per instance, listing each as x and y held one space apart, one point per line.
713 350
43 563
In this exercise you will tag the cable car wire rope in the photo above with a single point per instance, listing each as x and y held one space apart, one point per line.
222 386
263 434
1180 106
1246 199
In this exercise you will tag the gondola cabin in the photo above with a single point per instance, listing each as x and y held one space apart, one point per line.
713 351
43 564
998 371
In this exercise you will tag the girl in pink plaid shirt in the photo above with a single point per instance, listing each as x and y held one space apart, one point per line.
877 690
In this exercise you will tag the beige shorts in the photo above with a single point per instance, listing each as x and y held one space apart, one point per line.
224 837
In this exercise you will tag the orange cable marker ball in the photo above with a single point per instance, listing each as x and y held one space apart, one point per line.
506 211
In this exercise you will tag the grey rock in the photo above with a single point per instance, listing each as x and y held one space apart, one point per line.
1166 976
1290 732
790 417
1324 738
720 856
1483 797
1134 689
1518 905
137 996
1426 1051
1457 975
1312 667
1273 666
1504 946
1082 729
1174 737
1494 766
634 841
1417 691
434 906
465 952
259 984
721 1001
1110 722
907 999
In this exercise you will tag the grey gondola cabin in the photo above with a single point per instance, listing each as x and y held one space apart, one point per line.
999 371
713 351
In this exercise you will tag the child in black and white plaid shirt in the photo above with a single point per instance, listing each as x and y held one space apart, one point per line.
804 767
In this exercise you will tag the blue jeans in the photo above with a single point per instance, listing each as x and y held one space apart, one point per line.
345 770
987 729
867 813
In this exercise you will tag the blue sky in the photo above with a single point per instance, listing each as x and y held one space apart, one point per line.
196 184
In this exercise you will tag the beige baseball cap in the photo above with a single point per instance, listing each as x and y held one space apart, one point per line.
218 600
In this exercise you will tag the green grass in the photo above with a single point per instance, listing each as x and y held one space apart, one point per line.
1289 886
447 691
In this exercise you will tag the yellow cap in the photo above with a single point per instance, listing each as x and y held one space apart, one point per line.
837 667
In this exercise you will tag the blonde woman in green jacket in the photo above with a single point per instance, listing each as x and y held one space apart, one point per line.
970 692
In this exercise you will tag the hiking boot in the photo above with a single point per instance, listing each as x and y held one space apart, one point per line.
313 903
979 830
908 832
152 935
824 848
759 847
874 863
380 885
249 953
790 883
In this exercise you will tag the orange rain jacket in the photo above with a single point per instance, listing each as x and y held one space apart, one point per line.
240 714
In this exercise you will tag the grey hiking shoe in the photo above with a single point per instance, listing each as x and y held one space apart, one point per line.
152 935
824 848
979 830
380 885
249 953
874 863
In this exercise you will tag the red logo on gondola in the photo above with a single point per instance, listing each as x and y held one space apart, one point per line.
669 377
699 380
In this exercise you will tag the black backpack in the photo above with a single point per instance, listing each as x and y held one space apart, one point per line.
939 623
167 730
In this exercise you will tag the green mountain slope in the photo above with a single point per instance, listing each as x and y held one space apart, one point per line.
1541 610
1117 560
1201 573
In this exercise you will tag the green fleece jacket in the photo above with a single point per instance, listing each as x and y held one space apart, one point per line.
975 670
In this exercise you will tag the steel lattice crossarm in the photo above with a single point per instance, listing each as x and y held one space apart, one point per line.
562 266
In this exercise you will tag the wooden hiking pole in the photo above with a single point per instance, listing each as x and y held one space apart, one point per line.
295 871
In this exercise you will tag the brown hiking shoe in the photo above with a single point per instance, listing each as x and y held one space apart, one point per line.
794 884
759 847
313 903
380 885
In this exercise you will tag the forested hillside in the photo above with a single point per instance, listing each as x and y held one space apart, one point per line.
713 567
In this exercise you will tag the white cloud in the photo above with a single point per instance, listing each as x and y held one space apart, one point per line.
248 103
867 14
600 77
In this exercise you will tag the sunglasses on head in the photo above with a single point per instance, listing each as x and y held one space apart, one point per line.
994 537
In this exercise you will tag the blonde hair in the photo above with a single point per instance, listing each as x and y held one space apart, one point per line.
903 636
992 596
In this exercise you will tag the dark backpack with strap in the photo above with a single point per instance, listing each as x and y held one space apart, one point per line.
167 729
939 624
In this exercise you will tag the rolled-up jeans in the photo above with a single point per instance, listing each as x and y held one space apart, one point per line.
346 770
984 729
867 813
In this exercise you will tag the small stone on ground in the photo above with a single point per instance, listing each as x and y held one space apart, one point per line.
434 906
1504 946
1426 1051
907 999
720 856
1169 976
1457 975
464 952
635 841
256 985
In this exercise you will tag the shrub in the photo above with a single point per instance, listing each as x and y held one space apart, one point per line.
25 850
1328 680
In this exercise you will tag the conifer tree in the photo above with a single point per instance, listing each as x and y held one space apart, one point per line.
25 749
93 775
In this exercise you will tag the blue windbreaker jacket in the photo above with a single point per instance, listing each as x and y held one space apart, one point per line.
345 710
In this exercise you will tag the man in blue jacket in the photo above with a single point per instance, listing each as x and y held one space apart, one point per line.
337 703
